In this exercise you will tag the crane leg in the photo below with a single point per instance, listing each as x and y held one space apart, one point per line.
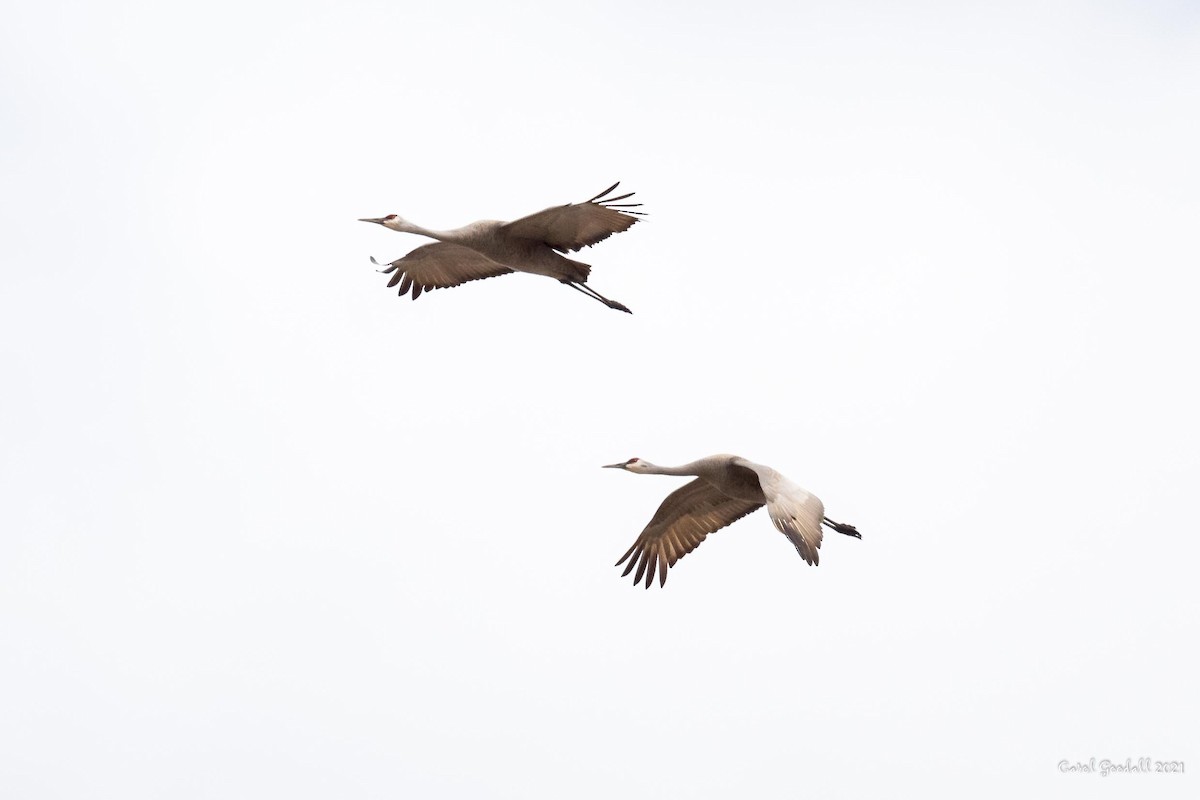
592 293
842 527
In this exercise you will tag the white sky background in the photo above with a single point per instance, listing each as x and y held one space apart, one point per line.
270 531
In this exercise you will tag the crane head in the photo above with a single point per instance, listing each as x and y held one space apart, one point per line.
632 465
390 221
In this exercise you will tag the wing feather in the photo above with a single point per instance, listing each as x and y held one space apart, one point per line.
681 523
795 512
577 225
439 266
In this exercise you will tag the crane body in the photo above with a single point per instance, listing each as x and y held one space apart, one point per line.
533 244
726 488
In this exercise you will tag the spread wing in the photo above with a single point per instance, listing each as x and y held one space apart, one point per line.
577 225
689 513
795 512
440 266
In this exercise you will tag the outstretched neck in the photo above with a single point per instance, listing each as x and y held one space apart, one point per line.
687 469
404 226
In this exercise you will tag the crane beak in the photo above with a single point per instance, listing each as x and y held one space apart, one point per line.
378 221
613 466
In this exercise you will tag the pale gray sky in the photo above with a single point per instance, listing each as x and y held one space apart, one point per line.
269 531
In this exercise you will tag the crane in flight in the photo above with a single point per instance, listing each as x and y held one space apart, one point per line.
532 244
726 489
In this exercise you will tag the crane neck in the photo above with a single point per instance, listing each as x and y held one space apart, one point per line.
441 236
479 235
692 468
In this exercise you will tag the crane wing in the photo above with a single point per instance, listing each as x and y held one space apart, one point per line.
577 225
689 514
796 513
439 266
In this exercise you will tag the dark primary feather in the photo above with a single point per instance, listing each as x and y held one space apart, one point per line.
577 225
439 266
682 521
606 191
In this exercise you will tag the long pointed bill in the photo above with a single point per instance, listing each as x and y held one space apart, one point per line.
614 466
376 221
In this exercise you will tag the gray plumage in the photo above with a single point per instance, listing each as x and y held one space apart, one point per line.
726 489
489 248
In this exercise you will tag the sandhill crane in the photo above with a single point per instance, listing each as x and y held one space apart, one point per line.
726 489
489 248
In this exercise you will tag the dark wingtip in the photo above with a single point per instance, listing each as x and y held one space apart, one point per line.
606 191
